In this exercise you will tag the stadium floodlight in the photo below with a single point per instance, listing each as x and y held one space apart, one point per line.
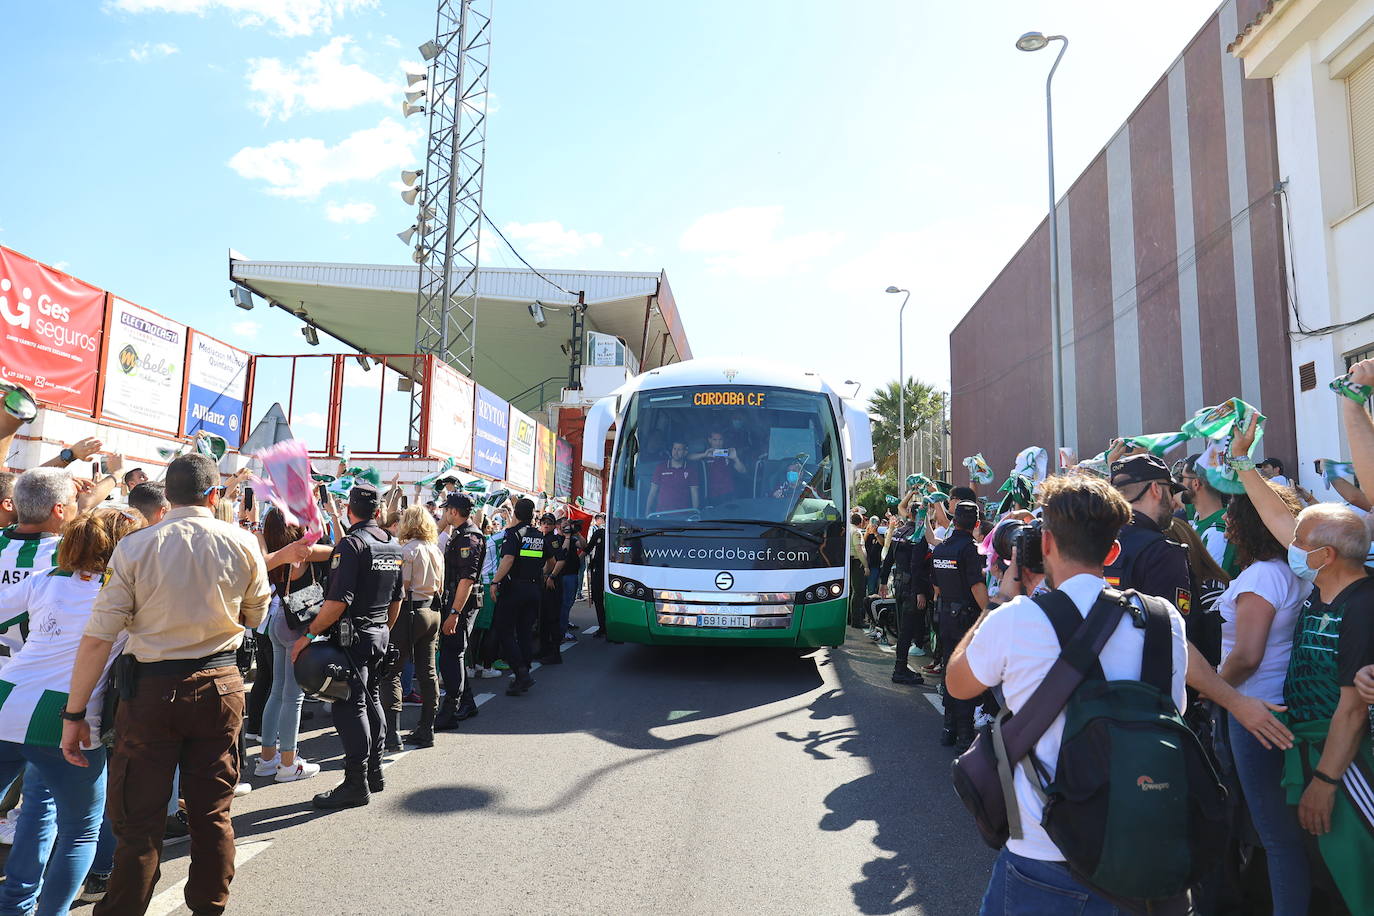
430 50
536 310
408 109
242 297
408 234
311 336
410 176
409 195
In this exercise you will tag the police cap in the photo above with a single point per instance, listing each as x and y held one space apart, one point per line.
460 501
548 518
1143 469
966 513
362 500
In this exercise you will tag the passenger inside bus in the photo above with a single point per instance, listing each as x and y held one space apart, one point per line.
721 468
674 483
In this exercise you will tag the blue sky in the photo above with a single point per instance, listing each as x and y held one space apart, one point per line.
783 161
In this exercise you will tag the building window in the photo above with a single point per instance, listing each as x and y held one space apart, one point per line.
1360 93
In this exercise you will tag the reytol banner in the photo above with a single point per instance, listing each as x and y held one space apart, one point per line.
143 367
216 379
543 459
562 469
450 414
50 335
520 450
490 425
591 492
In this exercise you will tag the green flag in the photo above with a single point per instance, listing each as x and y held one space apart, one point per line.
1157 443
476 486
1219 424
211 445
423 481
1346 388
1333 470
1032 462
978 469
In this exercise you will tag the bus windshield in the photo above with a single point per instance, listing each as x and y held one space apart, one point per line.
729 454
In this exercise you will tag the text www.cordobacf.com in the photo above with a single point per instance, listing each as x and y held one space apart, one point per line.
767 554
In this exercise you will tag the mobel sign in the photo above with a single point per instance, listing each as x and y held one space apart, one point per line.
50 326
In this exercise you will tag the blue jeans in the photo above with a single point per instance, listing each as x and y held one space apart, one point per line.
281 717
874 575
571 586
1030 887
1260 772
103 863
59 824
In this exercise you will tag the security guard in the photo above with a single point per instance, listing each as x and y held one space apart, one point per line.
551 594
1149 562
961 594
362 600
908 561
518 579
463 558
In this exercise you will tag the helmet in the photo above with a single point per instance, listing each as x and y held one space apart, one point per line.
322 670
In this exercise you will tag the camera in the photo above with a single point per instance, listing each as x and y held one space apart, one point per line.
1030 552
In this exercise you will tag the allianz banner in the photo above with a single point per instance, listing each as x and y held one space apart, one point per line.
216 379
50 333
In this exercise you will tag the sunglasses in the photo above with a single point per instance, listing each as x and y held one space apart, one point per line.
208 490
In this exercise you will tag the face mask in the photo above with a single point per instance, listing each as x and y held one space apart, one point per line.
882 529
793 476
1297 561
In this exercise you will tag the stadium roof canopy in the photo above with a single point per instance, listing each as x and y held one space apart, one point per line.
371 308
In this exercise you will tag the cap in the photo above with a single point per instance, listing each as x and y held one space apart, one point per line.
548 517
460 501
362 499
966 511
1143 469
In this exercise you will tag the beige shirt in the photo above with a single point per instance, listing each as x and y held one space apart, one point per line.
183 588
422 570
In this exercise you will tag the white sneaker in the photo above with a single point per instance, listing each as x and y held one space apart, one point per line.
7 827
298 770
242 789
488 673
267 767
473 671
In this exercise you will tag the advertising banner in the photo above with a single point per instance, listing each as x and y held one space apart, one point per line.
450 414
591 491
490 426
143 367
563 469
50 335
520 450
216 379
543 459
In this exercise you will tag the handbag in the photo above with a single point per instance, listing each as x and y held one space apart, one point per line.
301 606
982 775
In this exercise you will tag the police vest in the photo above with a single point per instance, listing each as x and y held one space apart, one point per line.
946 561
901 549
379 568
1125 573
529 559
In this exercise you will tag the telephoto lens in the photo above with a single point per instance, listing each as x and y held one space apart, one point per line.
1029 549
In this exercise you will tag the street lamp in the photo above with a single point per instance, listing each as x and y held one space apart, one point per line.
1035 41
901 389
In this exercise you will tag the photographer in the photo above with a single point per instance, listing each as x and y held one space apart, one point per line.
1015 646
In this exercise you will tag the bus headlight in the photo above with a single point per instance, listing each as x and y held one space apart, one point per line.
629 588
835 589
823 592
615 585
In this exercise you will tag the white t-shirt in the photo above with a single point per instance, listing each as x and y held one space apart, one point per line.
1273 581
1280 480
1016 646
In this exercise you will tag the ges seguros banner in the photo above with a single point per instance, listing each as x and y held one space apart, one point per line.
216 380
143 367
50 332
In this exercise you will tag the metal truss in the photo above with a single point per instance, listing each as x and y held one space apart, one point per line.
450 221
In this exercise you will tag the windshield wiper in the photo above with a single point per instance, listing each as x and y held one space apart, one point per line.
671 529
790 527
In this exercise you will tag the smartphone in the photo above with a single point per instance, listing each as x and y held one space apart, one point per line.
720 453
321 494
95 469
1318 465
247 499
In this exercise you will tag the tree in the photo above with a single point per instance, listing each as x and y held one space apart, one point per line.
924 404
872 491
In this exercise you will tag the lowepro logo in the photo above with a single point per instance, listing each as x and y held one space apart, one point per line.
1147 784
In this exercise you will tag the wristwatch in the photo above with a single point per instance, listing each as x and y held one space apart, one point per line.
79 716
67 455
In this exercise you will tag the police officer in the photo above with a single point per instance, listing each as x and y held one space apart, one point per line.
551 593
1149 562
518 582
961 594
362 600
908 561
463 556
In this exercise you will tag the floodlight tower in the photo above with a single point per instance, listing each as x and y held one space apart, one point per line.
448 229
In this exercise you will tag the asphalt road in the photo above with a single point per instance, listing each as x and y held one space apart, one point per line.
634 780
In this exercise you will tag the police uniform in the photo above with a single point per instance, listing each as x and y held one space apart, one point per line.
551 602
365 574
908 561
518 598
957 567
463 556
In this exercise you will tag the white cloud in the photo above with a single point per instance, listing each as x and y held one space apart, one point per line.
320 81
391 41
353 212
313 419
289 17
62 265
745 241
140 53
302 168
549 240
247 328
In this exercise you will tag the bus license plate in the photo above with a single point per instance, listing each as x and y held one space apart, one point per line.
723 621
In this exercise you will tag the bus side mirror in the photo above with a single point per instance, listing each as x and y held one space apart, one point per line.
594 430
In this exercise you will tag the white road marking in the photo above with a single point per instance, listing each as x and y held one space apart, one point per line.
594 628
934 699
174 897
482 698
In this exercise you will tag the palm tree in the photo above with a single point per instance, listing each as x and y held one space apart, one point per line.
923 402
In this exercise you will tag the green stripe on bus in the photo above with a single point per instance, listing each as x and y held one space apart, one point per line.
45 728
27 553
531 553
